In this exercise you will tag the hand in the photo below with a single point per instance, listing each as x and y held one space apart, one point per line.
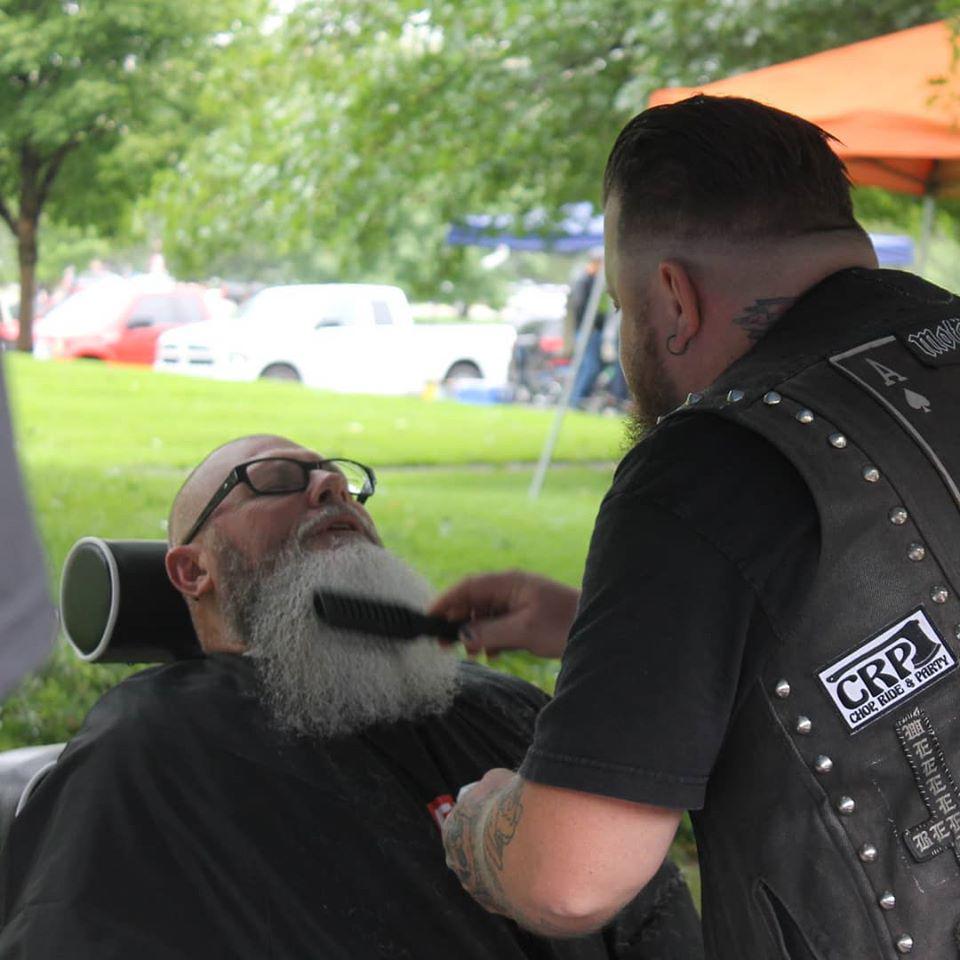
511 611
492 780
463 831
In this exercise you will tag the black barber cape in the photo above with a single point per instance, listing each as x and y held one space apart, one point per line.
179 824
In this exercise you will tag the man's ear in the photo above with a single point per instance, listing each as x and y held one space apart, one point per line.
682 301
187 571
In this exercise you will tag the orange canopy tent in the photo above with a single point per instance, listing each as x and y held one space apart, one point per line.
892 102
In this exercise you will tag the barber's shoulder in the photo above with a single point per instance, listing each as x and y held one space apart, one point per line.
695 449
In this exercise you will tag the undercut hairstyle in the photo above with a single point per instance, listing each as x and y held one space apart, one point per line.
726 167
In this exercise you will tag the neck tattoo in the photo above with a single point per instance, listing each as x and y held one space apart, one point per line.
762 314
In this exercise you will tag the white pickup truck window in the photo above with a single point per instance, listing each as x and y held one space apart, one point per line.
381 313
337 315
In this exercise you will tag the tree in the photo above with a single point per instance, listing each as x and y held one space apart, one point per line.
94 95
363 128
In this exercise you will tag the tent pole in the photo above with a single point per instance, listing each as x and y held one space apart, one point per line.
926 232
580 348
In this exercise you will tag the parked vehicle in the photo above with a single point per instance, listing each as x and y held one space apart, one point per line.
9 326
539 366
344 337
117 320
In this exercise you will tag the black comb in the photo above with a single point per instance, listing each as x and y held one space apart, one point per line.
378 617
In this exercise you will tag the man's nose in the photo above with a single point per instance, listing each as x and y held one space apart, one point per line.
327 485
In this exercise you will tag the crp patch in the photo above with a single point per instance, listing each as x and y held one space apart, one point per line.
890 667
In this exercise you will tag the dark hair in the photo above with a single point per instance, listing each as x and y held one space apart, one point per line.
726 166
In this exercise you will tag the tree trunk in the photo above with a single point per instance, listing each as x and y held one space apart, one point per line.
27 255
28 221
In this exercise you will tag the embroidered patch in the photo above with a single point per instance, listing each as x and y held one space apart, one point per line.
935 346
887 669
936 785
440 807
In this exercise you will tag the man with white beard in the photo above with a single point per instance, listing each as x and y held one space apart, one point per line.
281 797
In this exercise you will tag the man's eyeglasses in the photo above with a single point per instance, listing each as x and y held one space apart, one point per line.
270 476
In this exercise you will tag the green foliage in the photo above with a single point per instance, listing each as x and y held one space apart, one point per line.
98 93
881 211
94 96
354 134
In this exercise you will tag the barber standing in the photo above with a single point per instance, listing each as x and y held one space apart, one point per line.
767 630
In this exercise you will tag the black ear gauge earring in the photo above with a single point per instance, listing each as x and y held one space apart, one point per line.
671 351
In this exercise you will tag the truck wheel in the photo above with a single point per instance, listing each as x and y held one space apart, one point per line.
280 371
462 370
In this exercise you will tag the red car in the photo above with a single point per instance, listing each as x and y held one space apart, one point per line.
117 320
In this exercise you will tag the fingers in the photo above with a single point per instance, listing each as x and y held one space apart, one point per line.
485 594
490 635
511 610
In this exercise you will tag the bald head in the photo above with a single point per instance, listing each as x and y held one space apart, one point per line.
242 525
204 479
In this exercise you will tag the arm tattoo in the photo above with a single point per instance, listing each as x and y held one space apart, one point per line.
476 839
464 825
501 825
762 314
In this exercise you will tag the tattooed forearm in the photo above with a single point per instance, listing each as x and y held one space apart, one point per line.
476 835
762 314
501 825
460 832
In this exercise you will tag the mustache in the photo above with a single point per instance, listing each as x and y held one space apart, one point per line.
325 516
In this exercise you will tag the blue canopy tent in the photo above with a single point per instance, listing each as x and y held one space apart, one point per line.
578 230
581 229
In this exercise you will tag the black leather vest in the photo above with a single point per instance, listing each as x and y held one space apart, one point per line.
832 821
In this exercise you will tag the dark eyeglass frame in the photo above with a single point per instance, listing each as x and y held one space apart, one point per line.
239 475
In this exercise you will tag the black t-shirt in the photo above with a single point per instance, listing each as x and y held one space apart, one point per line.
179 824
706 537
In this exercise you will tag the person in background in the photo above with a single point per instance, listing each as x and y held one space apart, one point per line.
591 363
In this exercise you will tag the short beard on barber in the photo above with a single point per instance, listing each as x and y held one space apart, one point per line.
653 393
318 680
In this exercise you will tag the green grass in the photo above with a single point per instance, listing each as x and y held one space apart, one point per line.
86 412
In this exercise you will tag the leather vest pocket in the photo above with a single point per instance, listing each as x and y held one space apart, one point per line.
787 936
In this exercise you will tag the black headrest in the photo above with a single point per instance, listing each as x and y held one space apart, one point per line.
117 604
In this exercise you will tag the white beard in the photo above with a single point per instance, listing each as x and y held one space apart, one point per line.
322 681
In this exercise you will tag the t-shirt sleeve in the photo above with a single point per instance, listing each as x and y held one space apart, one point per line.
651 671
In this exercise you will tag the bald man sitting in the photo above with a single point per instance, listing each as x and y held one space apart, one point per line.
281 797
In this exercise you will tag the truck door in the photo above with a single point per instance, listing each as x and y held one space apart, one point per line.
339 343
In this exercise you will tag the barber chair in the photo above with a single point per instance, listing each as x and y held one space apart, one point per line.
116 606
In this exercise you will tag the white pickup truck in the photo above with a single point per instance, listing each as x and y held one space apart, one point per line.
357 338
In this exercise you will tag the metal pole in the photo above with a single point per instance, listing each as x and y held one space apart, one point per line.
579 349
926 231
